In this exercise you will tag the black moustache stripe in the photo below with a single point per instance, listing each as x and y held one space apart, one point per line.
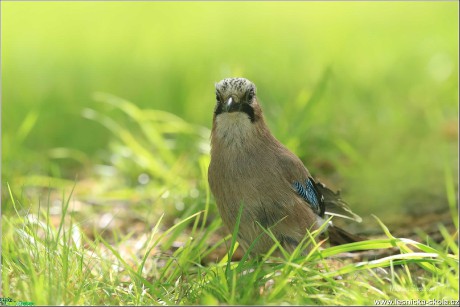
219 109
244 107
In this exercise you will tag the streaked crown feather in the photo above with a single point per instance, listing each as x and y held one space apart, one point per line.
234 86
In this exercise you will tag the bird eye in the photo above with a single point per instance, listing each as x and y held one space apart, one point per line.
250 95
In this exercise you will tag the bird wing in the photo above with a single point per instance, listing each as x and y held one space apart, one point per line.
320 198
323 201
310 193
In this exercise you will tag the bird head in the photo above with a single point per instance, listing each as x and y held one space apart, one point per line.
238 96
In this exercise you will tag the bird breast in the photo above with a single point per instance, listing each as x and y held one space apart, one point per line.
245 167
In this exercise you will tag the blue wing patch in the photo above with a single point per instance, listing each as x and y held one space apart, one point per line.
310 194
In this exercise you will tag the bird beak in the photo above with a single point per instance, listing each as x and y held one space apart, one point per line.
228 104
232 105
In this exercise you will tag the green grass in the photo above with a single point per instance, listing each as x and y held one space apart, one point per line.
106 116
58 264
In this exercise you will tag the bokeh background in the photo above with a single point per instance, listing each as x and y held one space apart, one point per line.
366 93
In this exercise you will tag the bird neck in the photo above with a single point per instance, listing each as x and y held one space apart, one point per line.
233 134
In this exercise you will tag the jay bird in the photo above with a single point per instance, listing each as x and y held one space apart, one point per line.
250 167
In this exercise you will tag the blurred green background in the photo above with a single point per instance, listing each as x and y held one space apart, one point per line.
365 93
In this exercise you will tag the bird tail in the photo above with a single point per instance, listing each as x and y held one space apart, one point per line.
338 236
334 204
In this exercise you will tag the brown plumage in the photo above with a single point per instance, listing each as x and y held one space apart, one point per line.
249 166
